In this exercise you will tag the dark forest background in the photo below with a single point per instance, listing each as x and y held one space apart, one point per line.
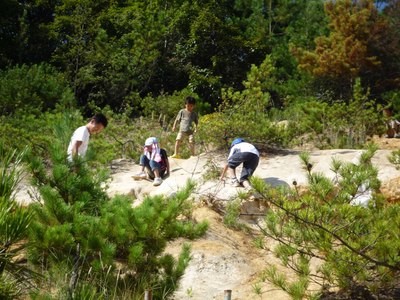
117 53
329 67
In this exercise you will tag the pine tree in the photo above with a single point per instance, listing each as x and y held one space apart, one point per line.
105 246
14 223
356 246
348 51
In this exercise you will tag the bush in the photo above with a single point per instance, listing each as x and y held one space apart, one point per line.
15 278
246 113
26 129
80 230
166 107
34 89
220 128
326 224
334 124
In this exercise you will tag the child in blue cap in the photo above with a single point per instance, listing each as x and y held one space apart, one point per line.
241 152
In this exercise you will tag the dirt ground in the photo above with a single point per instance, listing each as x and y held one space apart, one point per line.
226 259
386 143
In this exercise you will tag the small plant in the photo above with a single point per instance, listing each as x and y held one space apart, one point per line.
257 289
231 218
189 292
328 123
259 242
394 158
213 171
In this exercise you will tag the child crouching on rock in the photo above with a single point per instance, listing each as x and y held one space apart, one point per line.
241 152
154 162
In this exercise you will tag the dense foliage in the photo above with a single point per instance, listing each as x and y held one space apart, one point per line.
250 63
118 52
277 73
15 277
330 237
105 246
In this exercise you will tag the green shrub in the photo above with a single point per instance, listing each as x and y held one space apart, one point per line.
15 278
337 124
220 128
105 246
231 217
392 98
246 113
33 89
324 225
26 129
165 107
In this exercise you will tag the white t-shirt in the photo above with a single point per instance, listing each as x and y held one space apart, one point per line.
243 147
81 134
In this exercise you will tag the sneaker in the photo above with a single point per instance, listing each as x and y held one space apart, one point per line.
235 182
248 189
140 176
157 181
177 156
246 184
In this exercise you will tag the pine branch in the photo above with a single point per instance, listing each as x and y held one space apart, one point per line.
288 243
336 236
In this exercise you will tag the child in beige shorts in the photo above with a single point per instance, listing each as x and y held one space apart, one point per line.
188 122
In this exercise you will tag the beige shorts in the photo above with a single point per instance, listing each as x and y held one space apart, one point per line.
181 135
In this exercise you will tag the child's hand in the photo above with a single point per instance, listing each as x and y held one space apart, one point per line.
173 128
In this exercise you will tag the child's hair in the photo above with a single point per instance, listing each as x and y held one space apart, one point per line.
99 118
190 100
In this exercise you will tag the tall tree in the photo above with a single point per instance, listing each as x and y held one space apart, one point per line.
277 24
387 47
24 36
347 52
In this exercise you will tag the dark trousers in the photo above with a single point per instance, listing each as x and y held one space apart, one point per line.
250 163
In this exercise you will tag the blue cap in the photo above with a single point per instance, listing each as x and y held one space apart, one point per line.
237 141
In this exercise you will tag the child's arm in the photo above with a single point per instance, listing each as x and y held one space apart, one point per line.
196 123
174 126
167 162
177 119
223 172
76 147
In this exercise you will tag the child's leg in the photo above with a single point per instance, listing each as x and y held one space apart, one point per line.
249 166
150 173
177 145
155 167
231 172
192 149
144 162
192 145
233 163
178 142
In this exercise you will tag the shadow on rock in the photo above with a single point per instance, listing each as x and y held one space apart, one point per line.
274 182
